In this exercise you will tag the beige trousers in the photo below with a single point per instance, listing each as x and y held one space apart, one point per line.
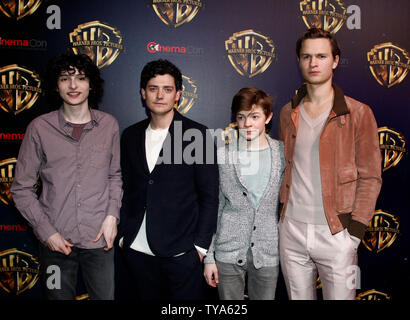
308 249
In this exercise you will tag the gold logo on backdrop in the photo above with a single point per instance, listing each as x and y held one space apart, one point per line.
19 88
6 179
381 232
19 271
176 12
100 41
84 296
230 134
326 14
250 52
392 146
18 9
389 64
373 294
189 95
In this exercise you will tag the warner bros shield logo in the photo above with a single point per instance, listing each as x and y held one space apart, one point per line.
382 231
250 52
19 271
7 167
392 146
19 88
373 295
230 134
329 15
189 95
100 41
175 13
388 63
18 9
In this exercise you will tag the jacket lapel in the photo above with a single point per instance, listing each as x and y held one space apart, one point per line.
141 151
168 145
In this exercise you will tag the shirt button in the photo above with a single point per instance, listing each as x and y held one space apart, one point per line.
150 181
78 185
78 204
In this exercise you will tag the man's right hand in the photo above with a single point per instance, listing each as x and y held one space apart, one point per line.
211 274
57 243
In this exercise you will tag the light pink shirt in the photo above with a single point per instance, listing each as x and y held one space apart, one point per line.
81 179
305 199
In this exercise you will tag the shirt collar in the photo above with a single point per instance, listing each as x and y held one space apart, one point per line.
95 119
339 103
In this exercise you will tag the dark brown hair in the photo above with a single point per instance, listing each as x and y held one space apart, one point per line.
160 67
249 96
68 62
317 33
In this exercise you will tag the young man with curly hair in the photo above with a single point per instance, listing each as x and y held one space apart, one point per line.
76 152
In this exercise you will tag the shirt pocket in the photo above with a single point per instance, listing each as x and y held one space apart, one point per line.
346 189
100 156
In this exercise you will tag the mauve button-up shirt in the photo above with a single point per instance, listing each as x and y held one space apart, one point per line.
81 179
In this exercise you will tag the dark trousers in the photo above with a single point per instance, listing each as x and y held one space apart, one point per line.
174 278
59 273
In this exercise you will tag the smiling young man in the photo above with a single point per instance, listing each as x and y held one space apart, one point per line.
170 202
332 176
76 152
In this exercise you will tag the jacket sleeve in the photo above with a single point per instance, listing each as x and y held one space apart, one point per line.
29 161
368 163
207 187
210 255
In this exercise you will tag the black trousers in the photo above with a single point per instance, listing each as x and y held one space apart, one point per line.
59 273
158 278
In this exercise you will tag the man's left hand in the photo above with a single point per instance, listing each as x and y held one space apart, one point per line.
109 231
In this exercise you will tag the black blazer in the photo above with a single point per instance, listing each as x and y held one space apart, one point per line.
180 198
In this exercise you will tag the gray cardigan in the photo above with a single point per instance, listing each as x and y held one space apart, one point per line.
240 225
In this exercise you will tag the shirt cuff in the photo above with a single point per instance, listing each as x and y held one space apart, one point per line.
44 230
201 250
114 210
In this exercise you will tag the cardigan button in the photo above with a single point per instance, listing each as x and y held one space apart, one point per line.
245 194
239 261
150 181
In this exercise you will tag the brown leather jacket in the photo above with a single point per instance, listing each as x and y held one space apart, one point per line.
350 161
